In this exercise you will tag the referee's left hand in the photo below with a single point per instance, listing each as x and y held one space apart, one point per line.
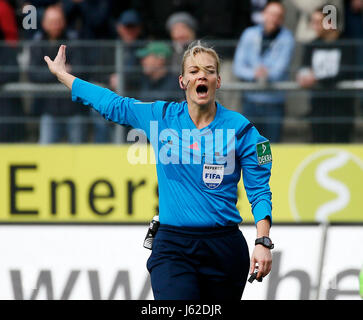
261 256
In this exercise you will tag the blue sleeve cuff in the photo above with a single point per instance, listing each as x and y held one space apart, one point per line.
88 93
262 210
84 92
75 86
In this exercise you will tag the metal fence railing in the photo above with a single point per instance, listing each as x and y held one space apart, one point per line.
28 91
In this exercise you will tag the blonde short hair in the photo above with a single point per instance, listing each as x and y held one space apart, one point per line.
197 47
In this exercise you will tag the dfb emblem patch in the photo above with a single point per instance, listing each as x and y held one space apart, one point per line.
213 175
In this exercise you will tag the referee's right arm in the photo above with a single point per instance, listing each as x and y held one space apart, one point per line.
122 110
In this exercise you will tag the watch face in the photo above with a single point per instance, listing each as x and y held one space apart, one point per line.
265 241
269 243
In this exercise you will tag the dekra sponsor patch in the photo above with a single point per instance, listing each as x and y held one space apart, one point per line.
264 152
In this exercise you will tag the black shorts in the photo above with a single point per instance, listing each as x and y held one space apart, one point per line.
198 263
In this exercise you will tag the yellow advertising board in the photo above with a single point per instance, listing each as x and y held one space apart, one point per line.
317 183
98 184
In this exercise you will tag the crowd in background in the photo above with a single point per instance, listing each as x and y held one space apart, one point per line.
154 35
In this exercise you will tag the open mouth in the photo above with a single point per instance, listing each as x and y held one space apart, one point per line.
202 90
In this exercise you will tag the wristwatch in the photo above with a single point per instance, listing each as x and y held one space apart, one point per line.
265 241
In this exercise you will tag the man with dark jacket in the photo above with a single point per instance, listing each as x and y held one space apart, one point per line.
58 116
325 63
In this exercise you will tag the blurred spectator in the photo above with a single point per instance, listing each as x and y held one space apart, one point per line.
353 29
263 55
59 116
129 30
129 26
9 107
8 27
304 31
257 7
159 83
40 5
90 18
326 62
182 28
353 10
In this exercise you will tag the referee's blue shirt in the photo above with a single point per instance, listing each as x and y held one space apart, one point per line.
198 169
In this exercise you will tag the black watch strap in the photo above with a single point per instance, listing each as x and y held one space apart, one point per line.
265 241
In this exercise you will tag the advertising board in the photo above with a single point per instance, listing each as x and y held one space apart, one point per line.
69 184
90 262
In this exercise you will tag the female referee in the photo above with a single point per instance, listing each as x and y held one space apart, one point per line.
199 251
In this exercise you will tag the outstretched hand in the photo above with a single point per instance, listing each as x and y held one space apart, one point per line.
59 67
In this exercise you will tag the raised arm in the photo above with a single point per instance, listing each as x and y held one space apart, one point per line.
111 106
58 67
